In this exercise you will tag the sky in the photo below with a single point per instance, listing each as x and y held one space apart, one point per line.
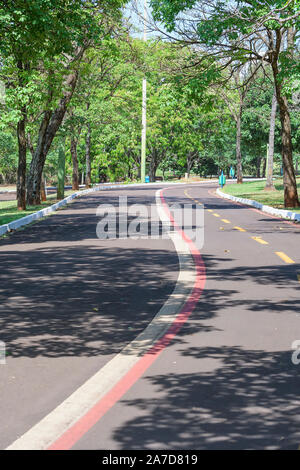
136 19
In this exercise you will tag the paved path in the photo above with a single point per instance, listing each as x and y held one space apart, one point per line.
70 302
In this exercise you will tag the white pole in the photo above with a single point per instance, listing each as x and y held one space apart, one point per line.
144 108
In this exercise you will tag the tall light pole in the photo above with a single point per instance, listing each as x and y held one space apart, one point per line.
144 109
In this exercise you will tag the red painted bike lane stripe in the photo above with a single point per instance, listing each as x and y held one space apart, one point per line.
84 424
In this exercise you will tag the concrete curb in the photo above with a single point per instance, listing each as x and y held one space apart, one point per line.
49 210
267 209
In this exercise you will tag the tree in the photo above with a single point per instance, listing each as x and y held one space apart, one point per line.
26 35
42 44
256 124
74 124
8 156
245 31
99 104
269 182
234 93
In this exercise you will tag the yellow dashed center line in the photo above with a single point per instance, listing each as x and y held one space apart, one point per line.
281 255
260 240
187 194
190 197
284 257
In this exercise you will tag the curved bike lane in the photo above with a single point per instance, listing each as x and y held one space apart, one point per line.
227 380
70 302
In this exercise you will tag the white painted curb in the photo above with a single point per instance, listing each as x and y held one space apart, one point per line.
267 209
49 210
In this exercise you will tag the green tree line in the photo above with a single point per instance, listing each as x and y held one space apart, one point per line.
72 73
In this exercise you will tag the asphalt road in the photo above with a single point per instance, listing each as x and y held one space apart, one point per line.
71 302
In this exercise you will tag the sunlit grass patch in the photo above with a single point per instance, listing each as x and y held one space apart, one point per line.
9 210
255 190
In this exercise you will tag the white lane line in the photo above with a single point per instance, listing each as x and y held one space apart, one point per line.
57 422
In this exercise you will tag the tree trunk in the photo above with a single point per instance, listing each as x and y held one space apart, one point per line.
37 164
43 183
48 129
258 164
88 180
238 148
190 162
61 172
291 198
264 168
43 189
75 173
22 143
152 172
21 177
153 167
269 183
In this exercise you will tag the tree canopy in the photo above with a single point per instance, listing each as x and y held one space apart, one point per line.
73 70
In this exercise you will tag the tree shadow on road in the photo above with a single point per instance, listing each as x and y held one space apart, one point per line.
81 301
248 400
65 293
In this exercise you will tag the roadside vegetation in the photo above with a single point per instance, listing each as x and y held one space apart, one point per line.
255 190
9 209
219 96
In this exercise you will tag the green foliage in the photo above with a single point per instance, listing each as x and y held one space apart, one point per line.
8 157
168 10
235 31
189 125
